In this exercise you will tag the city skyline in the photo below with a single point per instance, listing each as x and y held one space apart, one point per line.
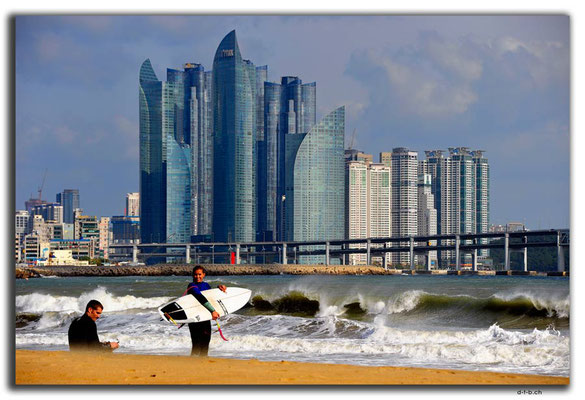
500 84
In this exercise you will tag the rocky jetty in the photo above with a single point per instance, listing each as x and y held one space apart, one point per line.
215 269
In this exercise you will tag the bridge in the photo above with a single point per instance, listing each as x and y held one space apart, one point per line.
459 244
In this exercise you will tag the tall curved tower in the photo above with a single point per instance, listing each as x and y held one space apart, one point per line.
165 161
314 201
234 122
152 177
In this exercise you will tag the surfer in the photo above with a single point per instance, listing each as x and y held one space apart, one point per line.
83 330
201 331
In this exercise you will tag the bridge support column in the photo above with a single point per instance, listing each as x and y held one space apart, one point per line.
327 253
284 253
525 254
507 251
238 259
560 254
134 254
411 252
474 257
368 257
428 260
187 254
457 253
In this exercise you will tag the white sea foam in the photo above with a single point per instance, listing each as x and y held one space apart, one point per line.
41 303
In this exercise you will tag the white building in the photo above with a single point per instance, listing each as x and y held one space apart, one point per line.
132 204
357 207
427 217
368 205
404 206
22 223
104 236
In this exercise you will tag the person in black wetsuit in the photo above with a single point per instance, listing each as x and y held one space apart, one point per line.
83 331
201 331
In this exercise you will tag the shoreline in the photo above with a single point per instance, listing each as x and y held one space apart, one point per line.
35 367
229 269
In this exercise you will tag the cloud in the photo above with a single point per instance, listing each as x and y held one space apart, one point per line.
439 78
537 63
128 135
417 87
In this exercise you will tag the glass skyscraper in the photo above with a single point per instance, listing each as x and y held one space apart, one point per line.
314 201
69 199
217 148
165 159
289 108
235 136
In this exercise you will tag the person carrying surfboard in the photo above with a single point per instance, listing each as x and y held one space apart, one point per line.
201 331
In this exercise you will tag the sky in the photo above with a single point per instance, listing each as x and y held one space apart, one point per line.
495 83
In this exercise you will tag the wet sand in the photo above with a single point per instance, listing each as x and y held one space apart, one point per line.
65 368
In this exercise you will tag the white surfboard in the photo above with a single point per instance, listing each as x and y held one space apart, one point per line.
187 309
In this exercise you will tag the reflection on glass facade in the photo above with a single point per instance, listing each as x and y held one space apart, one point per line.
165 159
194 127
232 156
69 199
289 108
314 204
234 119
152 177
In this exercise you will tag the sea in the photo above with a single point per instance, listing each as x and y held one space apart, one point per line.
516 324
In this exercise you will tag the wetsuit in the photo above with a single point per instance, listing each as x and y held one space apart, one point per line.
83 335
200 331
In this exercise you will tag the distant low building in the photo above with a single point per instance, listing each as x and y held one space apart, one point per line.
80 248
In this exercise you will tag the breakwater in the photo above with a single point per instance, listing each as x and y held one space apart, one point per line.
230 269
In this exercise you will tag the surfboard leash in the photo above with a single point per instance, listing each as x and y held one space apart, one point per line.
220 332
170 318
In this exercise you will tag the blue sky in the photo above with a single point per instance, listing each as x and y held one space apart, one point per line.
495 83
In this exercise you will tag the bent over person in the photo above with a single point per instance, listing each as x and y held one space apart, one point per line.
201 331
83 331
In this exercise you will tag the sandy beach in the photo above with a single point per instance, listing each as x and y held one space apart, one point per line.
65 368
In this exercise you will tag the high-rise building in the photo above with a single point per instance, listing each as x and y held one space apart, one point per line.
482 196
368 204
195 128
357 203
22 222
69 199
132 204
380 201
289 108
165 158
404 198
427 215
52 212
460 185
314 200
104 236
234 145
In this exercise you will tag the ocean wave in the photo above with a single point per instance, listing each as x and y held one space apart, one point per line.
500 307
41 303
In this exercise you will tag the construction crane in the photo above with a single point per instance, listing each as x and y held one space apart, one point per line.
352 139
42 185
